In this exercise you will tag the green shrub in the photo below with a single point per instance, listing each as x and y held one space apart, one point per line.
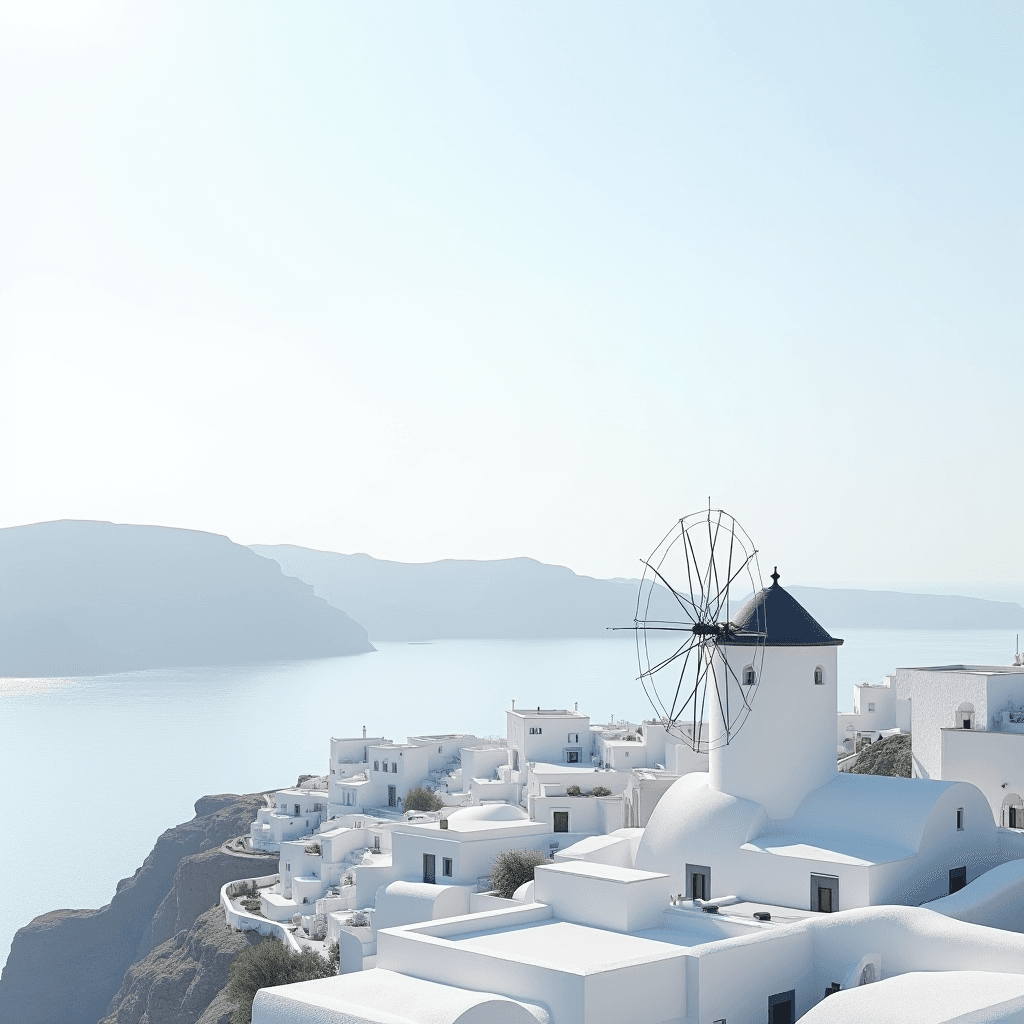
572 790
270 963
513 868
420 799
334 955
887 756
314 849
600 791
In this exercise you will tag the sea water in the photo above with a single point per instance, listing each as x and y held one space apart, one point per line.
95 768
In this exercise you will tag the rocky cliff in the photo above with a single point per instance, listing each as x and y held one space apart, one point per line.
68 965
183 980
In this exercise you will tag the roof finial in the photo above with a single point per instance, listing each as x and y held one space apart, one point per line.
775 577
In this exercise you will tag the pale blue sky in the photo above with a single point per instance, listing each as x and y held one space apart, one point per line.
479 280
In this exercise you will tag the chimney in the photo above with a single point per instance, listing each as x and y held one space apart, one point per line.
364 732
513 703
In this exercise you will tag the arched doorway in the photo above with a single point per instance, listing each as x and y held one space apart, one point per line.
965 716
1012 812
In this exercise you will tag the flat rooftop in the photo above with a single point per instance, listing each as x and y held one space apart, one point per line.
575 948
981 670
546 712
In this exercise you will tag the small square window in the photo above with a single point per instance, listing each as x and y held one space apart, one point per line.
960 819
560 821
446 867
871 707
572 757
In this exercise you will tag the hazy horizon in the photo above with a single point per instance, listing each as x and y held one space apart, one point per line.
463 281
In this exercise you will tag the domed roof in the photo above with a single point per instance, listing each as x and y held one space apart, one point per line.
488 812
788 623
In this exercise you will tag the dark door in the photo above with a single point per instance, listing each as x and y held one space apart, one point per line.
824 900
957 879
392 796
428 868
1013 817
780 1007
561 821
697 886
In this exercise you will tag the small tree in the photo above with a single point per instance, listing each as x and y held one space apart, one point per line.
600 791
270 963
420 799
572 790
334 955
513 868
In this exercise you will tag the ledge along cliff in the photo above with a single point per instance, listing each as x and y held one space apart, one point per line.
70 965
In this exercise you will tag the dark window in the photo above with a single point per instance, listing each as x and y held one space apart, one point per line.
819 676
376 766
446 867
960 819
385 766
698 882
428 868
749 676
394 768
572 756
967 723
825 893
780 1007
392 796
561 821
515 760
957 879
297 811
1012 819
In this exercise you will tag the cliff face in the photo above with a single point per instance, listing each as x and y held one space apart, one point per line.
182 980
67 965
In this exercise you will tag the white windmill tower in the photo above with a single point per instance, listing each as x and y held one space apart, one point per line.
702 666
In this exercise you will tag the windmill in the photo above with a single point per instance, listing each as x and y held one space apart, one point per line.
684 618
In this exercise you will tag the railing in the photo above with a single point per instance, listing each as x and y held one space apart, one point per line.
246 922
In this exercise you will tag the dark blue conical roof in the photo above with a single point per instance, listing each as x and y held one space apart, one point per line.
788 623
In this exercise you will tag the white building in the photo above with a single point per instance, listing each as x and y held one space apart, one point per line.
732 904
877 710
551 736
296 812
967 723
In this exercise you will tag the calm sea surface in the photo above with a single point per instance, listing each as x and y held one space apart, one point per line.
94 769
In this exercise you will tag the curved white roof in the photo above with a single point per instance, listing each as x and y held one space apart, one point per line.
926 997
385 997
693 821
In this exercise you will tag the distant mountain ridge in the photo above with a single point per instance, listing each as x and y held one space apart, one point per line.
521 597
84 598
506 598
885 609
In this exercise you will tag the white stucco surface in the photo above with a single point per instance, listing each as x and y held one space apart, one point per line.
384 997
922 998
